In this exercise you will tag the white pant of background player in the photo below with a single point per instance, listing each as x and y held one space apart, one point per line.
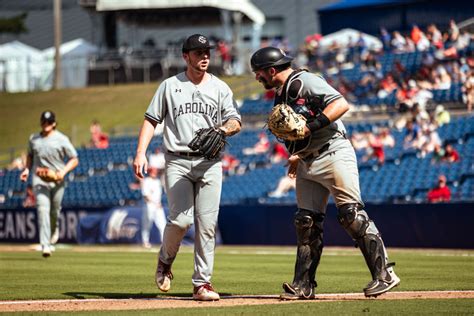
152 213
193 186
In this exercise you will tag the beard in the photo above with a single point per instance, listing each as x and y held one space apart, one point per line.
266 84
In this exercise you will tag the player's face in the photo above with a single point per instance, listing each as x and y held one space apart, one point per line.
265 78
47 127
198 59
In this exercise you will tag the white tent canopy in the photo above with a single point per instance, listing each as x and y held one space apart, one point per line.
345 36
20 67
243 6
74 64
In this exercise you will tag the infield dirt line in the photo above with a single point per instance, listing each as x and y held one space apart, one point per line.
188 302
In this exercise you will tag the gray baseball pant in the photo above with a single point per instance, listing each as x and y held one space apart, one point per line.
193 186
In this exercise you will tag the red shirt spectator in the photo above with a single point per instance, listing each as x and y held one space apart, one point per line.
450 154
229 164
441 193
279 153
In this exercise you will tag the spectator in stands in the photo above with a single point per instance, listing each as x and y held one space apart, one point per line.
30 198
412 135
285 184
386 39
387 86
360 140
438 154
99 139
398 42
279 153
18 163
376 149
262 146
386 137
435 37
428 141
230 164
442 116
442 79
453 31
468 90
441 192
415 34
450 154
153 212
223 52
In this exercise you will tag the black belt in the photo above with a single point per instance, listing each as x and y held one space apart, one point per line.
184 153
321 150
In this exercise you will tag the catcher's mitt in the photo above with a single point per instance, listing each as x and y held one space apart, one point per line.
209 142
285 123
48 175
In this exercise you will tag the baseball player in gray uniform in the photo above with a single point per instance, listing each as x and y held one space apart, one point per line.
185 103
49 149
323 163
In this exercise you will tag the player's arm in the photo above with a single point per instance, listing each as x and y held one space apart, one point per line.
331 113
140 162
70 165
231 127
26 172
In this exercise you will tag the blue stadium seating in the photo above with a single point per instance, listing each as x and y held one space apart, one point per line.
103 176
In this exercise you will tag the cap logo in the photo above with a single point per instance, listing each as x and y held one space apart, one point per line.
47 115
202 39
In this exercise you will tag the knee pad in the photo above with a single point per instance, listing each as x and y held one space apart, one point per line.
356 221
309 226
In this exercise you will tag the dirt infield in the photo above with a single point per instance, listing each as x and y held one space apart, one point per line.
187 302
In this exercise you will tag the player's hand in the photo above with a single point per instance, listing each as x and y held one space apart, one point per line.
60 174
140 164
24 175
293 165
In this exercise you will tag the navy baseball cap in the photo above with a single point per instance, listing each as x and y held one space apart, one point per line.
48 117
196 41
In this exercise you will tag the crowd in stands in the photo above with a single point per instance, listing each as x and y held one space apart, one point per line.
447 59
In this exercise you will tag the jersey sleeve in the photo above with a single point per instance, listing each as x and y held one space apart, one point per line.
229 106
69 149
317 85
157 109
30 146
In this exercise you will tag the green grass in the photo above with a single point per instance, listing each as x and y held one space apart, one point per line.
122 273
116 107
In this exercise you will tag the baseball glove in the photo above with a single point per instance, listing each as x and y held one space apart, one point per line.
47 174
285 123
209 142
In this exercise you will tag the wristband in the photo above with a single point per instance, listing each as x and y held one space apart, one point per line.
319 122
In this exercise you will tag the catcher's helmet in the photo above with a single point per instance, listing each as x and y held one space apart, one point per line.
269 57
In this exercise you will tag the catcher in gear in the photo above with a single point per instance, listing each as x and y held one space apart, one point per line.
47 152
324 163
198 112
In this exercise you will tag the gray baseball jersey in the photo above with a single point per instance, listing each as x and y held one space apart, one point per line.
329 164
50 152
309 94
184 108
192 183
